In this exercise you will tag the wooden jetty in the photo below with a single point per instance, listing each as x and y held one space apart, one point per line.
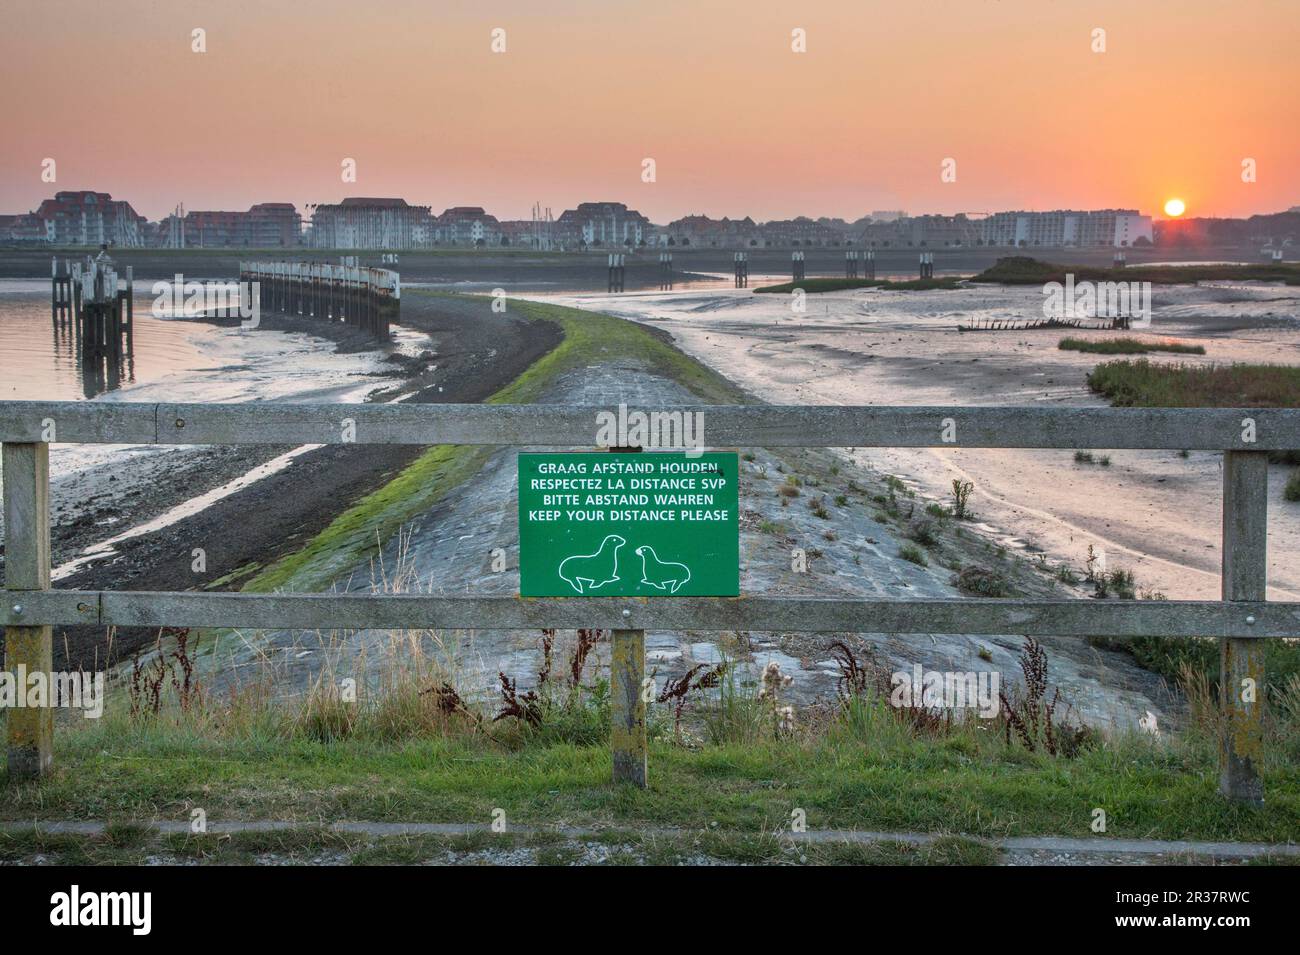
366 298
95 307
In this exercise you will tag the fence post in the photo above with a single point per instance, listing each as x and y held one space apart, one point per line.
1241 662
628 703
627 676
28 650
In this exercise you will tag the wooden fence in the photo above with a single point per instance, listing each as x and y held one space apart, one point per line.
28 607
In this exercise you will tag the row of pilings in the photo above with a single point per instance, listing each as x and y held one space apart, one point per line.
367 299
90 301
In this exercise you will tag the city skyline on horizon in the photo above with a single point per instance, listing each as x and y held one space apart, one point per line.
867 116
436 209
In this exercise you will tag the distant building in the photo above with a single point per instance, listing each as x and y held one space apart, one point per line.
888 215
801 231
211 230
520 233
273 224
359 223
82 217
267 225
466 225
702 231
923 232
603 224
1060 228
24 227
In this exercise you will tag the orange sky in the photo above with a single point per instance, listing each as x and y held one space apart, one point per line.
736 122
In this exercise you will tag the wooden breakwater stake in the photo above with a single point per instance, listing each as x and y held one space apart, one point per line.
28 650
665 271
617 271
869 265
850 265
927 265
60 290
797 266
742 269
1241 662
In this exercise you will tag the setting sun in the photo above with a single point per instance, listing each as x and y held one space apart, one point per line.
1175 207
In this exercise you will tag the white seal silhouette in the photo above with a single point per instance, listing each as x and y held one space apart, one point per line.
661 574
584 572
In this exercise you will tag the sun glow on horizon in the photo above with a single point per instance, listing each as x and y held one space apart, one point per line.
1174 208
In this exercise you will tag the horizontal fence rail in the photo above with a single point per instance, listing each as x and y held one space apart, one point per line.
1173 618
772 426
29 608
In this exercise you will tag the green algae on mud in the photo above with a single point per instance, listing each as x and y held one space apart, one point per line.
588 338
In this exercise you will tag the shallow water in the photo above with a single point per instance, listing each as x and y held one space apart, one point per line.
41 360
1156 513
175 361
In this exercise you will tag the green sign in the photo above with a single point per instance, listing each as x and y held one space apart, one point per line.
655 524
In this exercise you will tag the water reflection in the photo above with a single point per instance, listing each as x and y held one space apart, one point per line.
102 366
46 355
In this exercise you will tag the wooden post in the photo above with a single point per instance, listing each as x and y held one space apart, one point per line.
27 567
627 702
130 310
626 676
1241 662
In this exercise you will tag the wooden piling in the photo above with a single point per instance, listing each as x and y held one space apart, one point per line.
616 263
130 310
27 568
628 691
1241 662
628 740
665 271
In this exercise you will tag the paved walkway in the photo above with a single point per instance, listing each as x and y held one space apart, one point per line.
1017 844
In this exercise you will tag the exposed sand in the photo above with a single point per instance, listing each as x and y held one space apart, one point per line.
1154 512
448 550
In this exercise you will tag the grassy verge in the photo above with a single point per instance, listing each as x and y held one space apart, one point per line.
839 285
1024 270
865 771
1127 346
588 338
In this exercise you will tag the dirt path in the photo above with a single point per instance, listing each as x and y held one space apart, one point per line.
1022 850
